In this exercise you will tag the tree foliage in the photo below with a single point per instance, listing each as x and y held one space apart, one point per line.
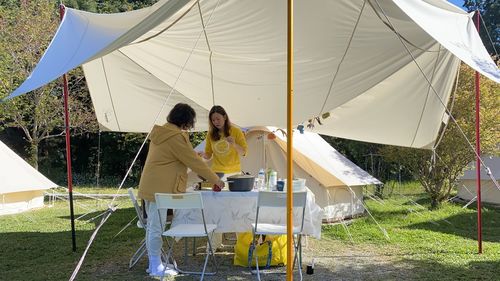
438 172
490 13
25 32
108 6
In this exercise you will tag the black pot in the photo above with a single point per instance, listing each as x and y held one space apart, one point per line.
241 182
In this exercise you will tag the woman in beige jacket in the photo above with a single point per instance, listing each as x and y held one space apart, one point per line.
170 155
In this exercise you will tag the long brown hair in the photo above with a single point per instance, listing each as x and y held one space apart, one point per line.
213 132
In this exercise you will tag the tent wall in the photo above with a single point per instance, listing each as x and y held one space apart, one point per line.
328 174
339 202
16 202
489 192
467 183
21 185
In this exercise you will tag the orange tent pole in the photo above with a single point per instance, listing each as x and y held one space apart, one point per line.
289 147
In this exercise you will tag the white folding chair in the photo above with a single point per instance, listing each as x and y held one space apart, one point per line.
141 223
187 201
273 199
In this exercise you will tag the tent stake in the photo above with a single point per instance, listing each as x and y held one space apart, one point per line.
68 146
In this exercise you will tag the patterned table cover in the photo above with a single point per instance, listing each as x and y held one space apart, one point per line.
235 212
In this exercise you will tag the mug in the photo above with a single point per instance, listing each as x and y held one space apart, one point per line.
280 185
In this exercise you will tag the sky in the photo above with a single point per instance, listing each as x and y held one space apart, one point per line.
457 3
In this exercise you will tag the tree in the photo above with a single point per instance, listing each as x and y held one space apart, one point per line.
438 173
108 6
490 13
25 32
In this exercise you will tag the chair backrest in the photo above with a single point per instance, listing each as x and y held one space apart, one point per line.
138 211
178 201
181 201
275 199
279 199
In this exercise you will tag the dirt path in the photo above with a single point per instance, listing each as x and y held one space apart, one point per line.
333 261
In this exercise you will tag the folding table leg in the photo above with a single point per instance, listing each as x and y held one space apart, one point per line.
298 254
194 246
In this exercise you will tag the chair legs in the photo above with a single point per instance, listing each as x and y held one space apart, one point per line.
297 256
253 248
141 251
209 253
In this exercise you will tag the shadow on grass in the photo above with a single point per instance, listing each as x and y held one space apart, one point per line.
465 225
474 270
423 201
379 267
49 256
373 266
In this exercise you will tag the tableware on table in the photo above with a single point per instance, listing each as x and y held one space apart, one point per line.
241 182
297 185
280 185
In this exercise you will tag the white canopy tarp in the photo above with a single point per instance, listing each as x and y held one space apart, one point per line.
383 69
21 186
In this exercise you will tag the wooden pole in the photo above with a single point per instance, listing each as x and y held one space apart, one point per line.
289 146
68 146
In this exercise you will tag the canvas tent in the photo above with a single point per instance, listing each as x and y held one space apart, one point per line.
336 182
489 192
21 186
382 69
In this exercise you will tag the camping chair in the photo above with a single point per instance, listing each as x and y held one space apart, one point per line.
279 200
166 201
141 223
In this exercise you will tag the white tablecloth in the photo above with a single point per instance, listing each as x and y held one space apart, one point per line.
235 212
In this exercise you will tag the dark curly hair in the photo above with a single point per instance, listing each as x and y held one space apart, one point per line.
182 115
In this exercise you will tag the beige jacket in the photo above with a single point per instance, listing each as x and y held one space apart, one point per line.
170 154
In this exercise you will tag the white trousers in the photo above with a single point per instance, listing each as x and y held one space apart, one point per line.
154 241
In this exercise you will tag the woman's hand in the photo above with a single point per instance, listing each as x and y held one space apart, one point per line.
230 140
220 184
203 155
238 148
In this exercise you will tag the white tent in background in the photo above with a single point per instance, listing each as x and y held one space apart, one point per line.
489 192
382 70
21 186
336 182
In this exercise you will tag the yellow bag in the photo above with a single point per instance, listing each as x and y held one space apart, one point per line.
272 250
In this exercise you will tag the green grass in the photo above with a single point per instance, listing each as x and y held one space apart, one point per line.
437 245
37 245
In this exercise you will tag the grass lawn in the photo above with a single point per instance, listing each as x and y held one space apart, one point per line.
422 245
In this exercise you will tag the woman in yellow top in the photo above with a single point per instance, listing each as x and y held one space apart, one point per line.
169 157
225 143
